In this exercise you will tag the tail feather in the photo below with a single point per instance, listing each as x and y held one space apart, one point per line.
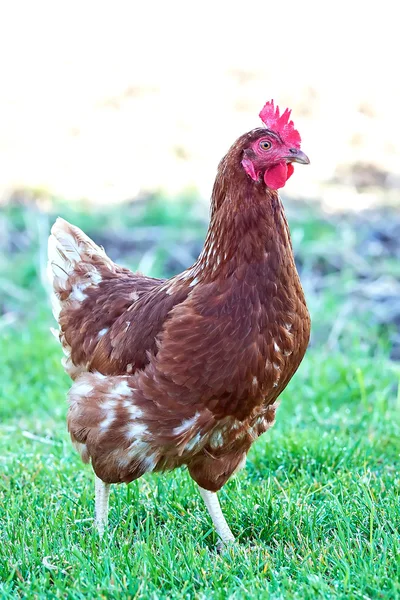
68 245
73 264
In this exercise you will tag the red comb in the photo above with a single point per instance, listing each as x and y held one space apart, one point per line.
280 123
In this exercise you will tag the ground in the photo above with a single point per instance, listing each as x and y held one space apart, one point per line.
316 512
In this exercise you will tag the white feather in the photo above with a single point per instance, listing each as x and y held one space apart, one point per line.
68 246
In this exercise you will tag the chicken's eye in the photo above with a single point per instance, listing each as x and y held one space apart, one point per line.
265 145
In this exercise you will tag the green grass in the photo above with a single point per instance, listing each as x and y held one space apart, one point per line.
316 512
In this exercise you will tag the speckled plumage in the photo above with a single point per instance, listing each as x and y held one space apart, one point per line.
185 371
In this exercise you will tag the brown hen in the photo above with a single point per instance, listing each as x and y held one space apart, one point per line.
187 371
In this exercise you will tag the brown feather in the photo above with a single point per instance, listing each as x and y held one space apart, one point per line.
193 365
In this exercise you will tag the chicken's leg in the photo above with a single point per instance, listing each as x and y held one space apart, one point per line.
102 493
213 507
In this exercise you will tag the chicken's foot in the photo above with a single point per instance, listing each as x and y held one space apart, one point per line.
102 494
214 509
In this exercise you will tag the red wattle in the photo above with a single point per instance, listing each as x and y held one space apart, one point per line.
276 176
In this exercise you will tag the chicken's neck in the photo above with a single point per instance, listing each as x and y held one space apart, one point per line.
248 229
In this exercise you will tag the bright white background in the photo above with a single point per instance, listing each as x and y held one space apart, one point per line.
104 99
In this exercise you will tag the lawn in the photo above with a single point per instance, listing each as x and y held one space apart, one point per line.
316 512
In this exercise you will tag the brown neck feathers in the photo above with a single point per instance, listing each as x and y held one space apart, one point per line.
247 225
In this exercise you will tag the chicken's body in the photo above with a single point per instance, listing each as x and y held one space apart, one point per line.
184 371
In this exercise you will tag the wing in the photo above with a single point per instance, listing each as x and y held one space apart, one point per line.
131 317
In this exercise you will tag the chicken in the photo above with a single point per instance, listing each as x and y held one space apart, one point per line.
187 371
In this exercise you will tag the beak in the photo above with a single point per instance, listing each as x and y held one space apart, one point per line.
297 156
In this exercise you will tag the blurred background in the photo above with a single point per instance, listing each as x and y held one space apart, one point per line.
115 116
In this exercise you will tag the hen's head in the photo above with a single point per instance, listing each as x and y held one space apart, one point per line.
271 151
